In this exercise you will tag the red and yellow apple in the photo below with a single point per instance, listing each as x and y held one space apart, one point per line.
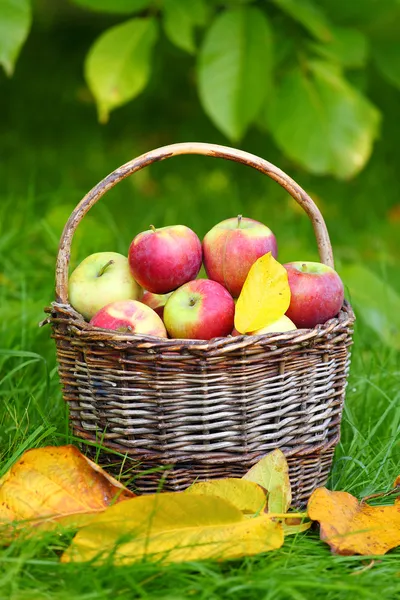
232 247
278 326
316 293
129 316
161 260
99 279
199 310
156 301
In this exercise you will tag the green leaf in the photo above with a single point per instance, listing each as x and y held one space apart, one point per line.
234 69
384 33
180 21
348 46
114 6
375 301
320 121
15 22
173 527
272 473
386 53
118 65
309 15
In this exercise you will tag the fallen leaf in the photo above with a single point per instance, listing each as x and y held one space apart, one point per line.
293 526
353 527
265 296
173 527
272 473
247 496
56 485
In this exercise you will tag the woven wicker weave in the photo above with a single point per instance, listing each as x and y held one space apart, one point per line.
181 410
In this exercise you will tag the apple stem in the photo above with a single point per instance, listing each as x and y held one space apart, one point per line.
104 268
304 267
153 228
239 221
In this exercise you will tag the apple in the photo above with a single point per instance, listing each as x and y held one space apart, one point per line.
129 316
99 279
317 293
161 260
201 309
156 301
278 326
231 247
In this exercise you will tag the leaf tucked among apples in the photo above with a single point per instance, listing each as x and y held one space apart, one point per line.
265 296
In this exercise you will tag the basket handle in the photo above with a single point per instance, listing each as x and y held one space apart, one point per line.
213 150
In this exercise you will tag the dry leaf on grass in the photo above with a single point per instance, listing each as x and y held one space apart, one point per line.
173 527
265 296
56 485
247 496
272 473
353 527
292 526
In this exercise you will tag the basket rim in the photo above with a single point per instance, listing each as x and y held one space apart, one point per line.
83 330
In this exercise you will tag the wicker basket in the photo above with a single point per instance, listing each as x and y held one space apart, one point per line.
180 410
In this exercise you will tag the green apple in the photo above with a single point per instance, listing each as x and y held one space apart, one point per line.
100 279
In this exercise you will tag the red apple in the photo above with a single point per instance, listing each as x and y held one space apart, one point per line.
161 260
129 316
231 247
316 293
156 301
199 310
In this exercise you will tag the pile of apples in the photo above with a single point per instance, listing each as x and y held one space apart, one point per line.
154 291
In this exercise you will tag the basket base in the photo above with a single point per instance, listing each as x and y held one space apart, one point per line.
306 472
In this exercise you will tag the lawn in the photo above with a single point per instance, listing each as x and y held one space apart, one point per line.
49 164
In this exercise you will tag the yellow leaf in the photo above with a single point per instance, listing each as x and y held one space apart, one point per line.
173 527
247 496
265 296
272 473
279 326
56 484
292 526
353 527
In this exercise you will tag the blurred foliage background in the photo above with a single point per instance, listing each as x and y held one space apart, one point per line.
312 86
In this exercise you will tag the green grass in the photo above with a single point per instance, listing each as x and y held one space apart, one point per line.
33 414
47 167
